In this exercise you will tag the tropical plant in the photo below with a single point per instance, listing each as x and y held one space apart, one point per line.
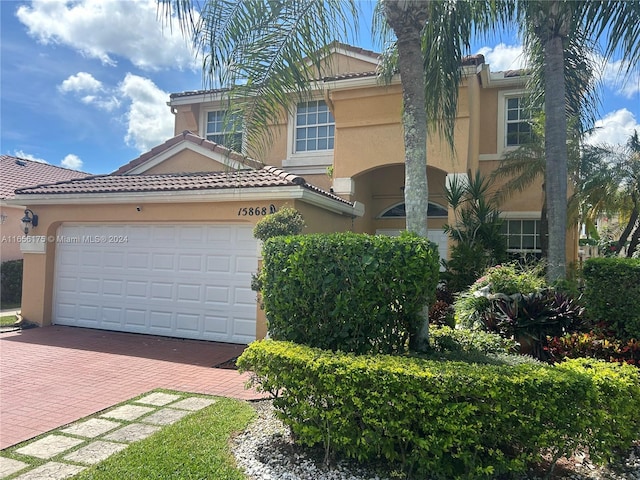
479 242
612 186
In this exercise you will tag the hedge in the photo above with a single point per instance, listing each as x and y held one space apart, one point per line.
11 281
449 420
346 291
612 294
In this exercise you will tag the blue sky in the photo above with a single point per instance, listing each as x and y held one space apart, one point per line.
84 83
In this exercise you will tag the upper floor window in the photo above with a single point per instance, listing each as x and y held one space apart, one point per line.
223 130
315 127
518 126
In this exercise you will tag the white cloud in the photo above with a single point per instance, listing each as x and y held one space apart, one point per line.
80 82
150 121
108 29
616 77
72 161
615 128
504 57
28 156
90 91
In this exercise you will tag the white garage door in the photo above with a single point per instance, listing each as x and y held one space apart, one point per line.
187 281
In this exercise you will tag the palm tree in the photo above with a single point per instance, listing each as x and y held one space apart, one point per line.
267 54
611 185
547 26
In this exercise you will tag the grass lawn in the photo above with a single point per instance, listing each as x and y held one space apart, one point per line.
194 448
7 320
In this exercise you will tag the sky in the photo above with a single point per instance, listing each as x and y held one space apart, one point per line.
84 84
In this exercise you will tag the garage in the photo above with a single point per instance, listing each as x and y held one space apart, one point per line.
179 280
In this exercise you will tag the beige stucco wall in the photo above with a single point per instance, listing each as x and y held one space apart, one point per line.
187 161
11 233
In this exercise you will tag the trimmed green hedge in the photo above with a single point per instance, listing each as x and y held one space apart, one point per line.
11 281
450 420
612 294
346 291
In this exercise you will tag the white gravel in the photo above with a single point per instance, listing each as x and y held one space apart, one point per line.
266 452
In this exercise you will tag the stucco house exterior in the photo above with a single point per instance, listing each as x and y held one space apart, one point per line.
16 173
164 245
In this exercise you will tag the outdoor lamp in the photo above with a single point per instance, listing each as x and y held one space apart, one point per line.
29 218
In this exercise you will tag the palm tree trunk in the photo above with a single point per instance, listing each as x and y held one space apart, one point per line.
544 230
407 18
628 229
635 240
556 156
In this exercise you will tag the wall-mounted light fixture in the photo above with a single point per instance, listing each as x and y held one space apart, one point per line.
29 220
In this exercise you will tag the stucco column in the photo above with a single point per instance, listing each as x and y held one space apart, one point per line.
34 293
345 187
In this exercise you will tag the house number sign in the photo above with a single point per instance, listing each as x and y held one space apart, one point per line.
256 210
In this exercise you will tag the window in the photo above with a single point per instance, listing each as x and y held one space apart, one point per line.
315 127
398 211
223 129
523 236
518 128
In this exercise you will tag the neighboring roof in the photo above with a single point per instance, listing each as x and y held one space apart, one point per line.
178 182
195 139
18 172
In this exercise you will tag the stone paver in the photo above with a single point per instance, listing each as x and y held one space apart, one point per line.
91 428
159 399
95 452
166 416
49 446
51 471
193 404
9 466
127 412
132 433
96 439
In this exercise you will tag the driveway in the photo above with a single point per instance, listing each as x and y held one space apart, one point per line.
55 375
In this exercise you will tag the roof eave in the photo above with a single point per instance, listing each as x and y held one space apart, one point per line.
195 196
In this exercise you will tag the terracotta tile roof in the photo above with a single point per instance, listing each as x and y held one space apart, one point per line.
346 76
19 172
177 182
195 139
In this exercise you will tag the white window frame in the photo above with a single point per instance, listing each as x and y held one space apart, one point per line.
205 125
525 218
314 161
503 96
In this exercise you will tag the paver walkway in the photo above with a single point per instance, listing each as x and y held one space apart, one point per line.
66 452
53 376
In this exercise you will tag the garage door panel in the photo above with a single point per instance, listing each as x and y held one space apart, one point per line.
112 287
175 280
189 263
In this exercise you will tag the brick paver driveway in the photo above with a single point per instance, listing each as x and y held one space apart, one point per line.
55 375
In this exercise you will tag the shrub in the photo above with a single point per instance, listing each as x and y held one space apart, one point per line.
612 294
472 305
594 345
11 281
345 291
446 339
533 317
286 221
447 419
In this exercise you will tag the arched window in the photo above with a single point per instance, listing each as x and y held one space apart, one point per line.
398 211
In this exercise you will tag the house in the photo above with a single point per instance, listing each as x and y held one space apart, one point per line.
164 245
17 173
